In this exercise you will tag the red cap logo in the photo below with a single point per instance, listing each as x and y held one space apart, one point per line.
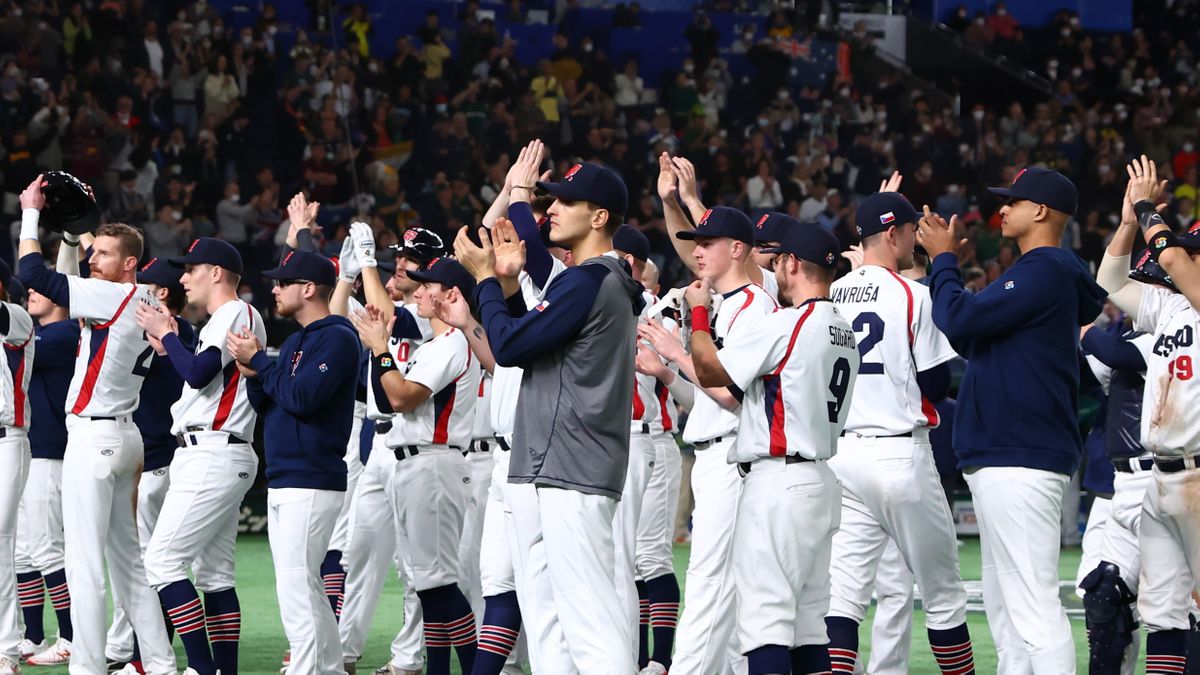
762 220
1194 228
410 234
704 218
1018 176
151 262
286 258
194 242
432 263
571 173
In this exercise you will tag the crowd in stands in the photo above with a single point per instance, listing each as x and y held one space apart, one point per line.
189 127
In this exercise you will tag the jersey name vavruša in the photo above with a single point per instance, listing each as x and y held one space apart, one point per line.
892 321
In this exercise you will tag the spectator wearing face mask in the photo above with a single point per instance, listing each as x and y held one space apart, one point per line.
1186 158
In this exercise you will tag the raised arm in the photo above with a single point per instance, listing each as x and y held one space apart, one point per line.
1113 273
1164 246
668 180
522 178
402 395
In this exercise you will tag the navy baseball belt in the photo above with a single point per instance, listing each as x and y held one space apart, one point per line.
485 445
406 451
189 437
907 434
1175 464
1132 464
745 467
383 426
704 445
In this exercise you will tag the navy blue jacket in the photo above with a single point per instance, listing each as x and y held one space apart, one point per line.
53 366
306 398
160 390
1018 401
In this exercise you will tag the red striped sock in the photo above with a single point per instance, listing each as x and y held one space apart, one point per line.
952 649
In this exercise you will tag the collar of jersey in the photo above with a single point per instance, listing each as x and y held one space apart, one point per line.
735 291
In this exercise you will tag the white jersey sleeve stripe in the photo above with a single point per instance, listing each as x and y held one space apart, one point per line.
927 408
773 394
97 357
229 393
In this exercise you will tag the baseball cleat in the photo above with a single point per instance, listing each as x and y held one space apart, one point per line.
389 669
56 654
287 661
130 669
29 648
8 666
350 667
654 668
116 665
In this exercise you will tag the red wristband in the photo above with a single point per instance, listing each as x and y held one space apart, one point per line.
700 320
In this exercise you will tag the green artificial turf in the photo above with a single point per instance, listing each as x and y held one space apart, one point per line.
263 641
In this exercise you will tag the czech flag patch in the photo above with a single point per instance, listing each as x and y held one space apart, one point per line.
887 218
541 306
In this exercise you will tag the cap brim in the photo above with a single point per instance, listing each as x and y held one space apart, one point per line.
1002 192
276 274
561 190
421 276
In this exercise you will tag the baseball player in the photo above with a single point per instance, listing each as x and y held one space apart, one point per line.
372 532
215 464
306 398
890 486
1108 575
1167 531
768 226
435 399
160 390
16 332
39 561
576 345
104 452
723 238
479 464
1020 336
797 368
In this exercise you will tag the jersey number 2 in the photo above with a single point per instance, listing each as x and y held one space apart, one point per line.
839 382
874 327
141 365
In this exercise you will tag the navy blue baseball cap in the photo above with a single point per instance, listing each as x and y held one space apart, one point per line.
1148 271
160 273
770 226
447 272
629 239
811 242
588 182
1191 238
883 210
1042 186
210 251
721 221
304 265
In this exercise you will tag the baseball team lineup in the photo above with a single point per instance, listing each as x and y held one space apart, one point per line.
494 420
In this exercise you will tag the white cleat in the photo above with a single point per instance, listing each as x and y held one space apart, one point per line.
129 669
57 654
29 648
654 668
389 669
8 666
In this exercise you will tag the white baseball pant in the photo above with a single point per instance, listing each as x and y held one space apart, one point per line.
1019 514
14 457
1092 544
891 628
354 468
370 550
497 573
656 524
101 466
704 641
199 519
151 491
642 455
479 470
567 537
429 492
782 543
891 491
1169 534
299 526
40 525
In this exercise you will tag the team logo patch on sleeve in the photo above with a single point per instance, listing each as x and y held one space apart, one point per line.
541 306
323 368
1009 285
887 218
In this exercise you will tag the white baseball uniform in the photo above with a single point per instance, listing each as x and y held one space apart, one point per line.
372 540
479 467
797 368
1169 529
642 455
704 640
354 468
890 485
660 501
891 628
102 462
213 468
15 370
430 489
